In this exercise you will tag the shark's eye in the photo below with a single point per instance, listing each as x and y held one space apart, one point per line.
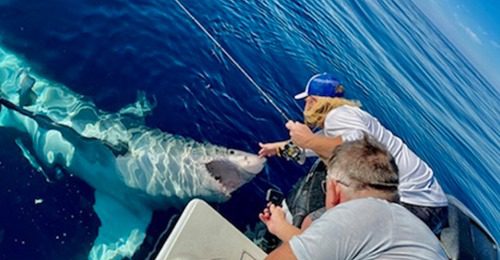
231 152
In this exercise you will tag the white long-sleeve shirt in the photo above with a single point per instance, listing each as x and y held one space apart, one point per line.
417 184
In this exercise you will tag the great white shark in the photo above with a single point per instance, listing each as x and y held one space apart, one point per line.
133 169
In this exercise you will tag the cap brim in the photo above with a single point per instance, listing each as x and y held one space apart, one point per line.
301 95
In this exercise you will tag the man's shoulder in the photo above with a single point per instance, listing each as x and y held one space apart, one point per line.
364 208
370 210
366 202
346 112
346 108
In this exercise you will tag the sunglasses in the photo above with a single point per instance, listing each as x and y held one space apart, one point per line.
324 182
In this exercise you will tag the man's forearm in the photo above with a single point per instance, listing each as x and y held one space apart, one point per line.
323 145
286 232
283 252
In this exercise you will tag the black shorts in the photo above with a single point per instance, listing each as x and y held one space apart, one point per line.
436 218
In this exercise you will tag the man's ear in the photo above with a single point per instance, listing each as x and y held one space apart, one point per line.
333 194
337 192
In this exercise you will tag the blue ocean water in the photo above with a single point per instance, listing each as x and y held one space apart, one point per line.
388 54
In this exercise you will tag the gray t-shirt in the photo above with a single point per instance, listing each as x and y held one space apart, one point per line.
367 228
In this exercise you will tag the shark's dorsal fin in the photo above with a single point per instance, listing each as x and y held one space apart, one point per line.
123 227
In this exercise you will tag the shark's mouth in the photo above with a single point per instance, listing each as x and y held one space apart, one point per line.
227 174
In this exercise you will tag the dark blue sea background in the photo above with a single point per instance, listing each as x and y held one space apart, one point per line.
388 54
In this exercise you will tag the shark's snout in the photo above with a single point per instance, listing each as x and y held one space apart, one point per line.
235 169
247 162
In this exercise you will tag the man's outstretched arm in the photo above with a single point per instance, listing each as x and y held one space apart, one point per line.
302 136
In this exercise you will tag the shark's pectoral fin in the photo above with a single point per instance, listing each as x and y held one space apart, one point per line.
122 230
31 159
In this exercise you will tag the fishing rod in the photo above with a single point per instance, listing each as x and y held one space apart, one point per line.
291 151
235 63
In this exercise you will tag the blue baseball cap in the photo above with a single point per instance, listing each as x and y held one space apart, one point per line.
323 84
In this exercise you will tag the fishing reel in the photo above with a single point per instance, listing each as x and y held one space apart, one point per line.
291 152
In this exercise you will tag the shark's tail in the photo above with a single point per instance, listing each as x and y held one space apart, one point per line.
116 149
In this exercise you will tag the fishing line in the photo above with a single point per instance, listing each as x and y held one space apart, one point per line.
291 151
231 59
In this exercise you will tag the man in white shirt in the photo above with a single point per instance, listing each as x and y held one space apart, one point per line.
360 221
342 120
